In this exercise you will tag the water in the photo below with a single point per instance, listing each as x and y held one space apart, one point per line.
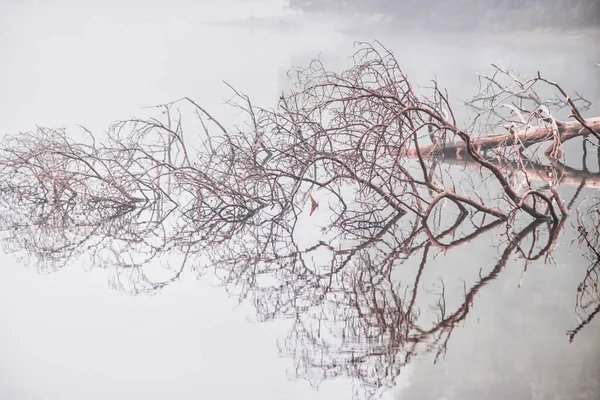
67 335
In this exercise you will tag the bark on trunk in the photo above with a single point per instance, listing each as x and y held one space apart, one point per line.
528 137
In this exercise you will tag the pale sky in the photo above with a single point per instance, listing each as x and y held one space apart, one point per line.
67 335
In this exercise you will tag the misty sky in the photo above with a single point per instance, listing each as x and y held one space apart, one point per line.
67 335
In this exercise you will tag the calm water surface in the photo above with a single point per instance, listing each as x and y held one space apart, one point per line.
500 332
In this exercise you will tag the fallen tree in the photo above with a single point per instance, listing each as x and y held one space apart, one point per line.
555 131
343 136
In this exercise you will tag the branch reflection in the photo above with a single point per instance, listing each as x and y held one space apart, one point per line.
587 301
365 310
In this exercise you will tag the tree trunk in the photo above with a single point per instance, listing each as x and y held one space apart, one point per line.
527 137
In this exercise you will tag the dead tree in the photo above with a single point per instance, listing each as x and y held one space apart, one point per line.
336 133
363 139
333 134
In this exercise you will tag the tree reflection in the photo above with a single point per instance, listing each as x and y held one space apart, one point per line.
587 303
364 310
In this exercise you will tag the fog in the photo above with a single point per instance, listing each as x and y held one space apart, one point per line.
68 335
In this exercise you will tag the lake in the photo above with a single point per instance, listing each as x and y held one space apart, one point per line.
138 307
